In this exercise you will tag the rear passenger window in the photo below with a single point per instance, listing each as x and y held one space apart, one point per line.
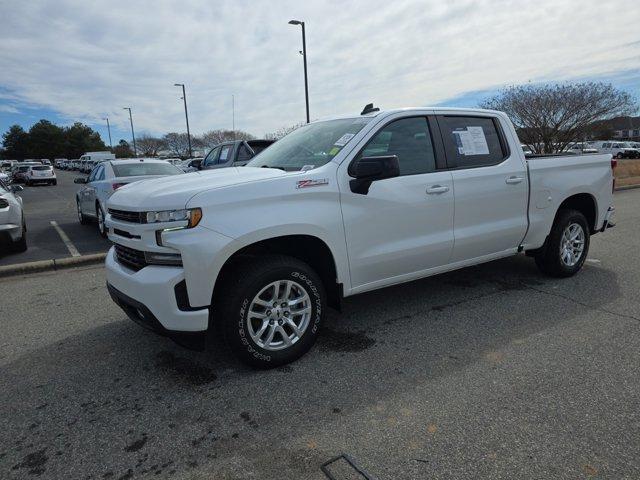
471 141
224 154
410 140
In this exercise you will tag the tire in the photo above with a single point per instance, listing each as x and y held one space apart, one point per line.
253 280
55 182
28 182
619 155
81 218
21 245
553 259
102 229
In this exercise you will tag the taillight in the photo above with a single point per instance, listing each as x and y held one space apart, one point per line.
116 186
614 164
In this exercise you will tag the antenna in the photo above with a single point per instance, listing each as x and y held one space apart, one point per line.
368 108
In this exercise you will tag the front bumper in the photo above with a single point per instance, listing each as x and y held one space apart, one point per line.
151 297
11 231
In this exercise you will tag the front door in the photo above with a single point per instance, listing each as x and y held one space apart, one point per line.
403 225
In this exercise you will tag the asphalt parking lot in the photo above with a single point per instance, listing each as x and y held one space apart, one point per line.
44 204
489 372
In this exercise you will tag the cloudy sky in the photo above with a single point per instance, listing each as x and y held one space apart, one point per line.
77 60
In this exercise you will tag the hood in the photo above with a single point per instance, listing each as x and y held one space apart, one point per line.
174 191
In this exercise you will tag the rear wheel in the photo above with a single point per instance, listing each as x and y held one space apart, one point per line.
567 246
81 218
102 229
619 155
271 308
21 245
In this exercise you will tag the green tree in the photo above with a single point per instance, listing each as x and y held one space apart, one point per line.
80 138
15 143
123 149
46 140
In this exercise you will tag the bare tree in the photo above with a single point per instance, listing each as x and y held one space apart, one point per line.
550 117
281 132
150 146
214 137
178 143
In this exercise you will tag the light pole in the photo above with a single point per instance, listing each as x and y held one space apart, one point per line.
109 130
186 114
233 115
133 135
304 56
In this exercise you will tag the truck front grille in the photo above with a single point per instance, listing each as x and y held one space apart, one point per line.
126 216
130 258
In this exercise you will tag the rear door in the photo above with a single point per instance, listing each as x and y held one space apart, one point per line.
490 183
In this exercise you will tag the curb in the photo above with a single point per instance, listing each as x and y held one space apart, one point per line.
49 265
626 187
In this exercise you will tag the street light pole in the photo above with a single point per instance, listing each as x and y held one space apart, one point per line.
186 113
304 56
109 130
233 115
133 135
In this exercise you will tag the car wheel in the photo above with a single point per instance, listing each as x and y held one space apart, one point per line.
28 182
619 155
567 246
81 218
21 245
102 229
55 182
271 308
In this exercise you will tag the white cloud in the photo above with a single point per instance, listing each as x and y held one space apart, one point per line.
89 59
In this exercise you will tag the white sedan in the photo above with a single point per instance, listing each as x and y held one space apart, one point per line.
13 229
107 177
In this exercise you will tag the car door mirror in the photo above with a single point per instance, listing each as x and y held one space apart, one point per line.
16 188
80 180
366 170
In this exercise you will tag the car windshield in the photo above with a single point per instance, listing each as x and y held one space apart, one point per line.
142 168
41 168
310 146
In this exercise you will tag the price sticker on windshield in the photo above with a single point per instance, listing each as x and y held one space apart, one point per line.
342 141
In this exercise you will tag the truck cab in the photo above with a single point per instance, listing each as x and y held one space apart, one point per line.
233 154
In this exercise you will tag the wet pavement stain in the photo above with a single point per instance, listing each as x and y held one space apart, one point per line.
137 445
344 341
34 462
248 420
184 369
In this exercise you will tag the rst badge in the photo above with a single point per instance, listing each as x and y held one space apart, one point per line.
312 183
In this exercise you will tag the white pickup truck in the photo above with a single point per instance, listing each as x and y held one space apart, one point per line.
340 207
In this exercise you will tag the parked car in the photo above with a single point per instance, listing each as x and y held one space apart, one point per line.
13 228
581 148
4 177
619 150
191 164
41 174
109 176
58 162
233 154
87 161
340 207
20 169
6 165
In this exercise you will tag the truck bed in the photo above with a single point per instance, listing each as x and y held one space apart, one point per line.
553 179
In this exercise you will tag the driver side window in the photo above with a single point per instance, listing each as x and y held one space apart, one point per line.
211 158
410 140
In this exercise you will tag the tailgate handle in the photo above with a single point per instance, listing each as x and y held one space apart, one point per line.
437 189
514 180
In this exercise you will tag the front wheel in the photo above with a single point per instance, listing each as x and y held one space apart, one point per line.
567 246
81 218
619 155
271 308
21 245
102 229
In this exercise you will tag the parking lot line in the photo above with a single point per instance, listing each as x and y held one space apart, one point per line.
70 246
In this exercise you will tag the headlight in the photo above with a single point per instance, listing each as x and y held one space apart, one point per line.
192 216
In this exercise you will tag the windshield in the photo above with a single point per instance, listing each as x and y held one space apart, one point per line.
141 168
44 167
312 145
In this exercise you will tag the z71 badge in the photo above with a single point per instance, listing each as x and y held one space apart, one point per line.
312 183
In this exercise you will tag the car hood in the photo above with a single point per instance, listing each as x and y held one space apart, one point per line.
174 191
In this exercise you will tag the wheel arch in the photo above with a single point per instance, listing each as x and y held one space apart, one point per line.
586 204
308 248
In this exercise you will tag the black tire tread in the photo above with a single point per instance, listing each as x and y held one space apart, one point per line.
548 260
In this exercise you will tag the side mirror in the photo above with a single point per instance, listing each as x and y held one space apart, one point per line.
16 188
366 170
80 180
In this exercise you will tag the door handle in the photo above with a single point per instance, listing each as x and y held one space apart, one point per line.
437 189
514 180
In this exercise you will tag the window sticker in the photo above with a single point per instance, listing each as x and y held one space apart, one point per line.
334 151
471 141
342 141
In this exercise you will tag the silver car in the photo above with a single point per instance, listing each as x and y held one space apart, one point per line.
110 175
13 229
